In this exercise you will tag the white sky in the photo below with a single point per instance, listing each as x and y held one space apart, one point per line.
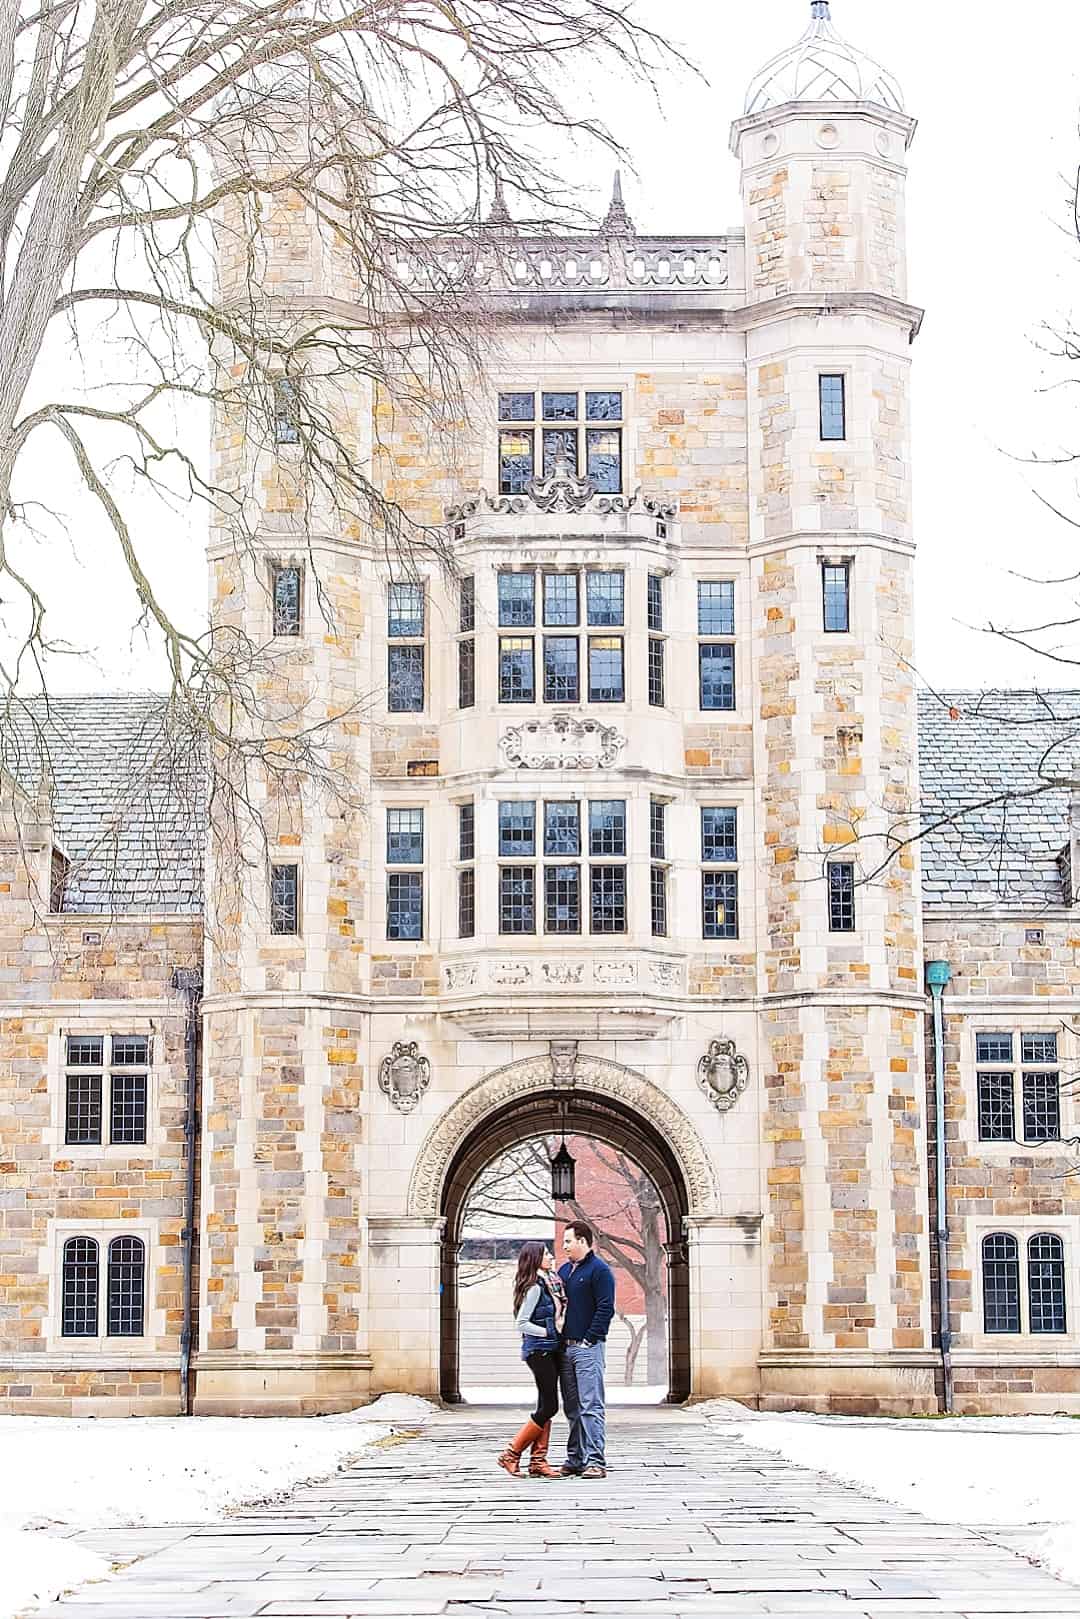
994 87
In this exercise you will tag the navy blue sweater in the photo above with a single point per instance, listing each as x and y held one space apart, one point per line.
590 1293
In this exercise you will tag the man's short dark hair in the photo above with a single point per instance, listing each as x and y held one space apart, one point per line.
582 1231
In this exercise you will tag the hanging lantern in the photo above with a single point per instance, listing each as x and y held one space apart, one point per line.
562 1175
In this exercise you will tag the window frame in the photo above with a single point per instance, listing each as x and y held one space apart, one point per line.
840 897
824 377
1024 1231
103 1233
537 643
278 571
844 568
572 422
274 906
1012 1074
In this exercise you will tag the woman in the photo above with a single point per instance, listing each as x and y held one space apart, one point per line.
539 1313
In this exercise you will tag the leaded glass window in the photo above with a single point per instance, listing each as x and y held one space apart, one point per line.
607 826
405 610
716 607
517 899
560 407
466 674
1039 1049
1001 1283
657 829
656 672
716 661
603 459
517 407
404 905
466 832
1042 1107
836 597
601 406
560 444
287 601
1046 1283
720 904
79 1285
656 602
997 1120
562 899
993 1048
608 899
562 828
841 879
606 669
517 827
127 1107
467 605
561 599
126 1288
404 837
832 407
517 600
284 899
517 674
562 683
658 901
82 1109
466 903
286 411
719 836
604 599
405 679
516 460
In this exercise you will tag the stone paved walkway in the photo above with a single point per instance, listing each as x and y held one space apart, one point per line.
689 1522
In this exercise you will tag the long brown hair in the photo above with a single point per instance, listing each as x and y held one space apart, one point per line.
529 1261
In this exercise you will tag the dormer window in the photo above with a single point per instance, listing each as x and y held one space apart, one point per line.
581 427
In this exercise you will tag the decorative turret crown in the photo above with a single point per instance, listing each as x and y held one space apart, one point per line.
822 67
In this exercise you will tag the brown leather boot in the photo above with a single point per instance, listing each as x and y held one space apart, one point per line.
511 1456
538 1462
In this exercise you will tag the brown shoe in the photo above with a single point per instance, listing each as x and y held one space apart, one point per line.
595 1472
511 1456
538 1462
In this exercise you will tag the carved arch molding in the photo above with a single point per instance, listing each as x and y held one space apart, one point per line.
534 1076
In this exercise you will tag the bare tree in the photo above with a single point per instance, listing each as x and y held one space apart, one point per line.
146 142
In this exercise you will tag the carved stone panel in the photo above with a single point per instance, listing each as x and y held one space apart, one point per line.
561 743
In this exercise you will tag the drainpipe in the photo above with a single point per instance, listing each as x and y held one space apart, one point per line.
188 981
938 974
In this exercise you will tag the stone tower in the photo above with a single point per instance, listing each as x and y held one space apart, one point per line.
822 149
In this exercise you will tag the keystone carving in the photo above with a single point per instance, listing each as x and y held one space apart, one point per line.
561 743
723 1074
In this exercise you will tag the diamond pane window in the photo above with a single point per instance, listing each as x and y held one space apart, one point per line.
603 459
603 406
85 1051
1046 1283
716 662
716 606
466 832
608 899
841 876
516 464
604 598
130 1050
517 675
405 610
405 679
285 899
607 826
517 828
517 899
517 407
993 1048
126 1288
835 591
656 601
560 407
606 669
719 836
657 830
562 829
404 905
517 600
127 1110
466 674
656 672
560 444
79 1282
286 601
1001 1283
562 899
560 599
82 1110
658 901
1042 1107
404 837
1039 1048
720 904
832 407
997 1120
466 903
467 605
562 683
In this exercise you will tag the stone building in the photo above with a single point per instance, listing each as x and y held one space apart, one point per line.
628 864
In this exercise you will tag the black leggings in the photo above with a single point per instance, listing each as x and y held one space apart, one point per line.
544 1366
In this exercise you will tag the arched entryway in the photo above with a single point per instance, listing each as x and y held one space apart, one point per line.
583 1113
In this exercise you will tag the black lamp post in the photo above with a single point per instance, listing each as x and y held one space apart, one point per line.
562 1176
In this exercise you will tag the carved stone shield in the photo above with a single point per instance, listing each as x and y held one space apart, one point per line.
723 1074
404 1075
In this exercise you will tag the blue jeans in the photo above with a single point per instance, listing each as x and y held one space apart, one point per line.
581 1373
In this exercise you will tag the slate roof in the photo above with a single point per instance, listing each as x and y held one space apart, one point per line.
126 798
993 769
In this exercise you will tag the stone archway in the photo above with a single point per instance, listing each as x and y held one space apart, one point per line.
600 1099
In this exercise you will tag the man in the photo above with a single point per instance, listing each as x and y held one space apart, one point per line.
590 1295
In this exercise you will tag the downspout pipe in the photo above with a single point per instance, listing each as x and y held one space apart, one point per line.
938 974
188 981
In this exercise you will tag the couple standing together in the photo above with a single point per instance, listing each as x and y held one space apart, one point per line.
563 1317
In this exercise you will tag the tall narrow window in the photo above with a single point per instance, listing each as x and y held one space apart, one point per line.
404 905
656 672
59 876
720 904
79 1284
286 411
517 443
466 832
1041 1087
466 902
467 673
841 875
126 1288
996 1081
405 679
656 602
608 899
128 1084
287 601
832 407
562 899
658 901
1046 1283
404 837
467 605
285 899
82 1107
716 677
1001 1283
657 829
836 596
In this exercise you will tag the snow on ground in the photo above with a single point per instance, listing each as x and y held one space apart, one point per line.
85 1472
1017 1473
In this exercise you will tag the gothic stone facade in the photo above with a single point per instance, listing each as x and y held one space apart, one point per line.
628 777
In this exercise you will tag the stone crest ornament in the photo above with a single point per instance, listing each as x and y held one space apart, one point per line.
723 1074
564 1056
404 1075
561 743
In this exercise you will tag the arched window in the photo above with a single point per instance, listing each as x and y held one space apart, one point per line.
1046 1283
1001 1283
79 1313
127 1287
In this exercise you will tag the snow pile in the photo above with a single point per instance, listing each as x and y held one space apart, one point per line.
92 1472
1018 1473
